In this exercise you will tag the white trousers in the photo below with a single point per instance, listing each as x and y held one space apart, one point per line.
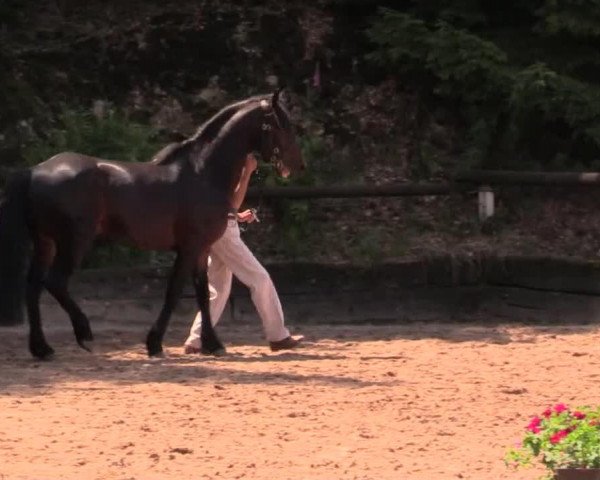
230 256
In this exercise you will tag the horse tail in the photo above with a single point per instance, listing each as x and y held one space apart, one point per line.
15 240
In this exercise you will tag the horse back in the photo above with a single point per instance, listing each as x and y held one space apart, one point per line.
64 187
149 205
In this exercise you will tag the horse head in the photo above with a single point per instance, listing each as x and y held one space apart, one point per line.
279 144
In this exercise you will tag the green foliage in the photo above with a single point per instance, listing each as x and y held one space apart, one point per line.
111 136
556 111
116 254
579 18
323 164
467 72
532 117
542 90
293 216
460 65
560 438
468 67
294 227
401 39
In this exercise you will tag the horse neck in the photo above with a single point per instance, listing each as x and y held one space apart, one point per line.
226 157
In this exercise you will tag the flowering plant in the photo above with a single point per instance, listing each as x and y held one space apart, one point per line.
560 438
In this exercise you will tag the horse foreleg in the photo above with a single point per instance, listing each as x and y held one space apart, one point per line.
209 341
181 270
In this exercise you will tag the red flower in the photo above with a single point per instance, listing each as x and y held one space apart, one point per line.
558 436
560 407
547 413
579 415
534 425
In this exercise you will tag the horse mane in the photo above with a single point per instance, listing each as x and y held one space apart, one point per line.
283 116
233 120
218 157
209 129
166 153
206 133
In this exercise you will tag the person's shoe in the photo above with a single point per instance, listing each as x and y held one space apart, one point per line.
286 344
190 349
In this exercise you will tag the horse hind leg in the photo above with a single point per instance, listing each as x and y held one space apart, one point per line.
57 284
69 254
42 258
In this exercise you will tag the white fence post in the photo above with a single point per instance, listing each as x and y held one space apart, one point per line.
486 202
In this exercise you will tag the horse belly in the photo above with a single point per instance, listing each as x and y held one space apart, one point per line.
144 232
156 238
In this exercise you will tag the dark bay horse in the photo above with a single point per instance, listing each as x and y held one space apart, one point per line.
178 201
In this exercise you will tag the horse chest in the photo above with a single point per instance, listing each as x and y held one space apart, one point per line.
202 222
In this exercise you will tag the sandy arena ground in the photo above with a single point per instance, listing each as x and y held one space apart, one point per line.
357 402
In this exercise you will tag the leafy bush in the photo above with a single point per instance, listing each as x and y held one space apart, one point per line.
454 63
532 117
111 136
553 110
293 216
470 74
579 18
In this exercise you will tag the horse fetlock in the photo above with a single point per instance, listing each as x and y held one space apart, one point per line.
212 346
83 330
154 344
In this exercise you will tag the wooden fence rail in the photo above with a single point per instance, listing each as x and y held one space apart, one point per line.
349 191
516 178
460 182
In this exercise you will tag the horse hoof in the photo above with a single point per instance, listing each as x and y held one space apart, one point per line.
153 344
155 352
84 346
217 352
83 332
43 352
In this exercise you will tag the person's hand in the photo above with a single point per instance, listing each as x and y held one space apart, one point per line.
247 216
251 163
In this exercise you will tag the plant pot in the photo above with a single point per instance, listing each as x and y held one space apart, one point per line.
577 474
